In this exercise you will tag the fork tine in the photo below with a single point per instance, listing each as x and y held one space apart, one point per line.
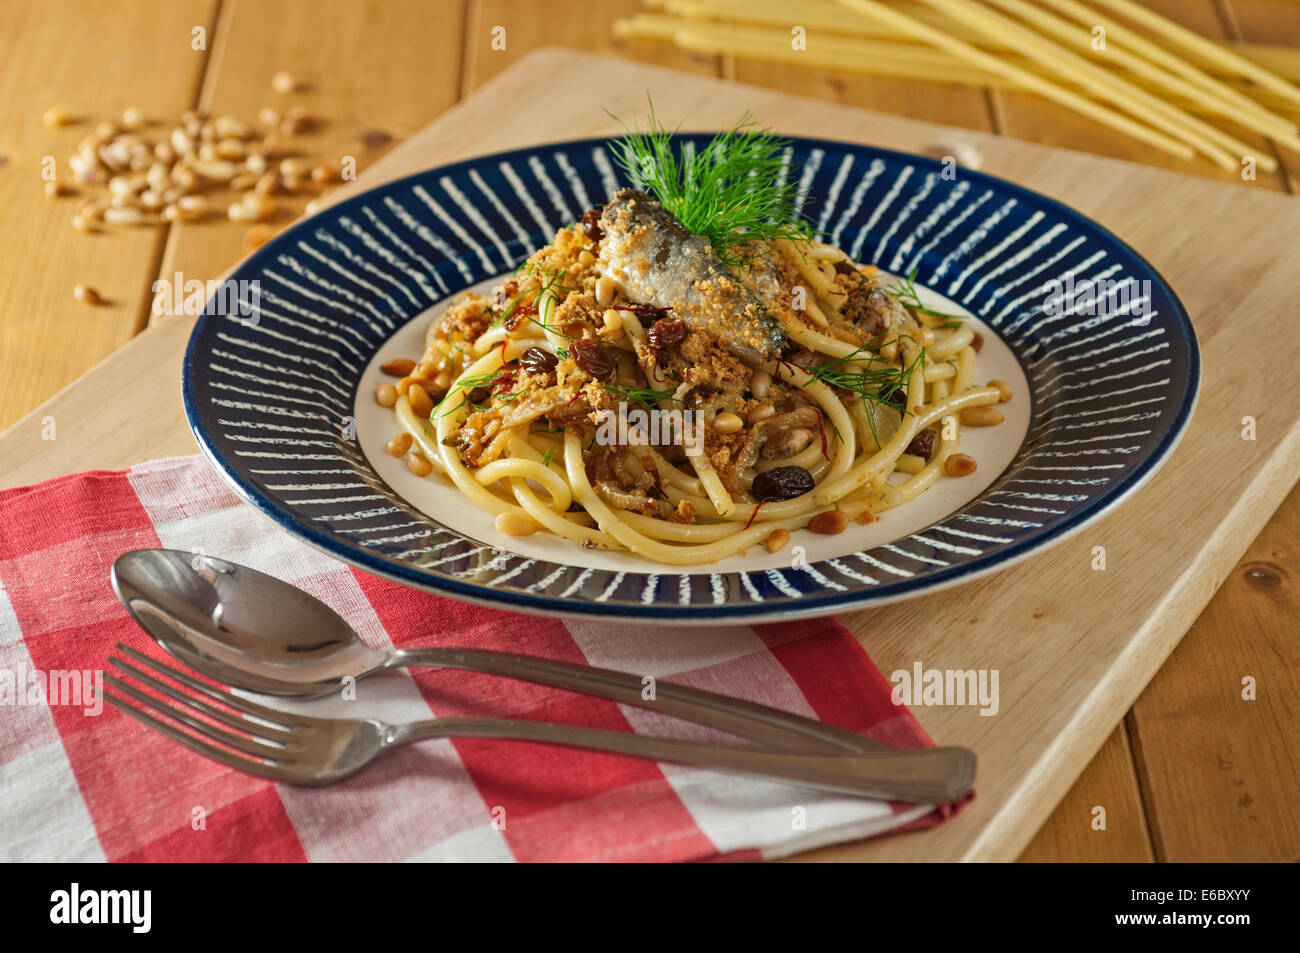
284 721
234 721
202 727
228 758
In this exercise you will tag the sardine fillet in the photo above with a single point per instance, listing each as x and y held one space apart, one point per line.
660 263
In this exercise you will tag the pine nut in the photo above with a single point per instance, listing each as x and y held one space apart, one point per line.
86 294
323 173
182 143
230 149
164 153
727 423
132 118
298 120
151 200
230 127
776 542
386 396
192 207
295 167
218 170
763 411
55 116
262 206
257 236
239 212
404 383
398 366
255 163
586 259
418 463
123 216
170 213
291 184
984 416
1004 390
106 129
421 402
243 182
400 444
283 82
605 288
830 523
81 223
613 320
760 385
266 184
268 117
512 524
959 465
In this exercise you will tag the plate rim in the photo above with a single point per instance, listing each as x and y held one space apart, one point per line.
724 613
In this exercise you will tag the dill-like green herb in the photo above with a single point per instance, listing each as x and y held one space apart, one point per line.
550 452
883 385
905 291
730 192
647 397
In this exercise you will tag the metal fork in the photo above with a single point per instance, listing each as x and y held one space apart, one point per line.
299 749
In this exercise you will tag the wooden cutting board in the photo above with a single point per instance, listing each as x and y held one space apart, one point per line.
1073 646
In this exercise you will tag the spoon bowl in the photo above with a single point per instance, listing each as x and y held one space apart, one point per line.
241 626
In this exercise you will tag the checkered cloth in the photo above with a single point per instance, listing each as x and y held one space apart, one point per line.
101 786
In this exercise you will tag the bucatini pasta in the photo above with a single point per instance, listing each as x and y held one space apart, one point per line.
639 386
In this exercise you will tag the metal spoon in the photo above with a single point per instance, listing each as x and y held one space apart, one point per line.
249 630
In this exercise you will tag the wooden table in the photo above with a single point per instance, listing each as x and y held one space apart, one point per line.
1184 777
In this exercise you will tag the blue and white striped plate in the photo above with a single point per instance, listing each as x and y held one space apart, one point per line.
274 397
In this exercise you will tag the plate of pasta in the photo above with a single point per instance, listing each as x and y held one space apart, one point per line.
711 377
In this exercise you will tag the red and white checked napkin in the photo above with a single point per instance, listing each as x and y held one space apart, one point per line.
101 786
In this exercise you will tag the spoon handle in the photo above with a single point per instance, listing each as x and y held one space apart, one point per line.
746 719
922 776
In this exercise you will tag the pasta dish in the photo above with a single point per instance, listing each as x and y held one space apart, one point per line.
686 375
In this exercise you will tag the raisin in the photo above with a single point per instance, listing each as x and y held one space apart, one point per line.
594 358
922 444
667 333
536 361
781 483
591 224
845 267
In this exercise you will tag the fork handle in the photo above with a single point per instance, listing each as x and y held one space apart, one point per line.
924 775
745 719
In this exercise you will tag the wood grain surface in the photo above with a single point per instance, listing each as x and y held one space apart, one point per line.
1195 772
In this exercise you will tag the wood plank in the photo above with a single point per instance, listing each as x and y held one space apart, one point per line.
1074 647
95 59
581 24
361 69
1221 773
1109 782
1029 117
